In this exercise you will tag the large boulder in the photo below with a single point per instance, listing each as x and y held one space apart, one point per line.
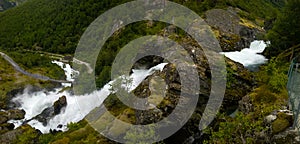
233 32
52 111
59 104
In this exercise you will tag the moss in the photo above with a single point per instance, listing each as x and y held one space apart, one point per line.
248 23
263 95
78 133
29 135
64 140
280 125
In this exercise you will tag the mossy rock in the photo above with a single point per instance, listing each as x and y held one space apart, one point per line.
27 134
16 114
288 117
280 124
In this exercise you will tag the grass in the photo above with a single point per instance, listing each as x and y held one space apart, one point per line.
11 79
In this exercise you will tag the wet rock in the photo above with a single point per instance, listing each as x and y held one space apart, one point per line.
60 126
13 93
68 58
58 105
52 111
45 116
2 105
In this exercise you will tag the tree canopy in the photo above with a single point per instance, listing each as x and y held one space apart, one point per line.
286 29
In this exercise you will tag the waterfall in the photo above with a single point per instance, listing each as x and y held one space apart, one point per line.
249 57
78 106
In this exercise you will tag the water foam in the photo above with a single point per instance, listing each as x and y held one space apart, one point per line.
77 106
249 56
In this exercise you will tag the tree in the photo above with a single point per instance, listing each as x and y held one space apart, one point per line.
285 32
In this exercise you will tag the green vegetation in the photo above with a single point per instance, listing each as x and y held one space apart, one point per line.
4 5
256 8
56 26
28 136
268 96
37 63
10 79
241 129
80 132
284 33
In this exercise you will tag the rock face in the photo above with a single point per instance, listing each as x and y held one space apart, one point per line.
52 111
231 31
12 114
238 89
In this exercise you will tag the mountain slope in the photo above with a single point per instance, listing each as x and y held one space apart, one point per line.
56 25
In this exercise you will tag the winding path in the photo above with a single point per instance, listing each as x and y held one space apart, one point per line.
36 76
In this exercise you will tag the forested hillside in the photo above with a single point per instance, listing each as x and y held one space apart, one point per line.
56 25
285 33
35 31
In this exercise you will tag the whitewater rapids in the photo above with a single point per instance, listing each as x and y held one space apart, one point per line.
249 56
77 106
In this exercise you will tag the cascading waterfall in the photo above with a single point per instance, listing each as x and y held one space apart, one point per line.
79 106
249 57
35 103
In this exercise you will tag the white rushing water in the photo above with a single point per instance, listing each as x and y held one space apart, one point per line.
249 56
77 106
69 72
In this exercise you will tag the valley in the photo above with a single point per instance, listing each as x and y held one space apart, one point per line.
42 99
